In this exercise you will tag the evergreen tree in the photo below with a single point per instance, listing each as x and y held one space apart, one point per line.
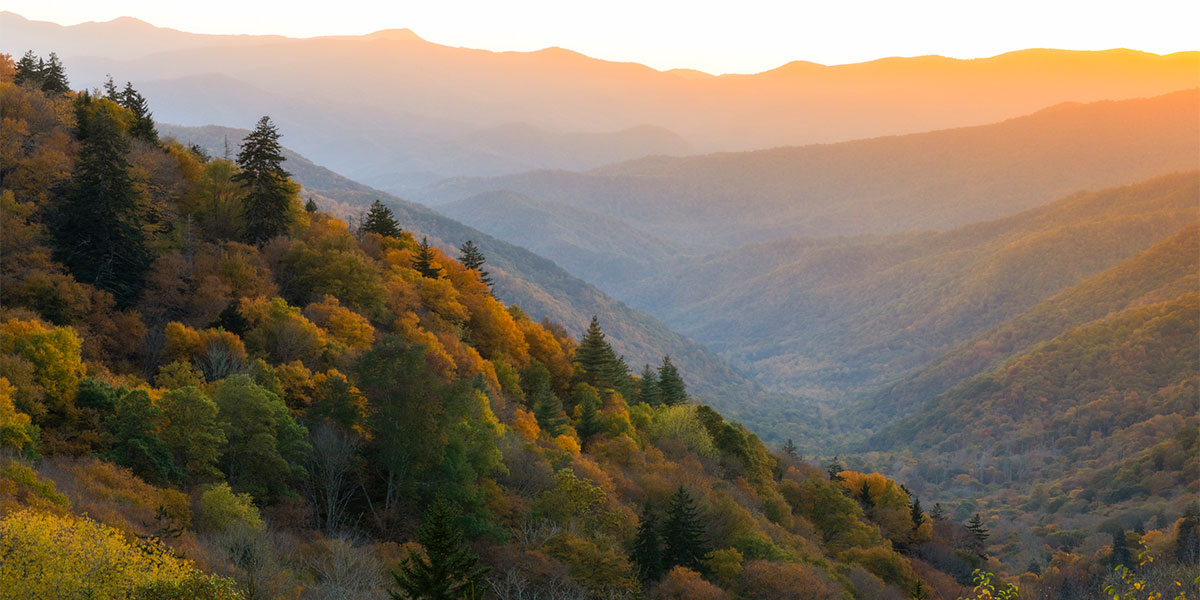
587 401
448 570
834 470
110 90
647 553
596 359
134 443
918 516
29 70
1187 536
473 259
938 513
269 193
100 234
379 220
143 123
683 534
670 385
549 412
310 206
789 448
423 262
648 387
864 497
1121 556
54 77
980 531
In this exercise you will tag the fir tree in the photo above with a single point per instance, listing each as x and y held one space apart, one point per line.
915 512
938 513
647 553
473 259
423 262
549 412
1187 536
588 423
864 496
1121 556
29 70
110 90
310 206
834 470
980 531
143 123
789 448
683 534
670 385
379 220
101 236
596 359
648 387
448 570
269 193
54 78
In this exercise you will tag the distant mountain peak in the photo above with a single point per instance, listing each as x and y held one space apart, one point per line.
395 34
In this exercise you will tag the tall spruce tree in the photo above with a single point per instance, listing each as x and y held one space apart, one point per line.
380 220
110 90
143 122
938 513
598 365
683 534
647 554
648 387
423 262
473 259
100 234
980 532
789 448
915 512
548 410
1121 556
54 77
269 193
670 385
587 402
29 70
448 570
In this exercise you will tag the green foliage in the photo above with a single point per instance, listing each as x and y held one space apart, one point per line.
446 570
192 433
133 440
587 401
648 392
424 261
222 508
266 447
671 388
268 193
549 411
473 259
684 543
143 122
647 552
379 220
987 587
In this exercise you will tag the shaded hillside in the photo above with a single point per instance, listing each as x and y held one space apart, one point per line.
600 249
931 180
1167 270
406 111
824 316
538 285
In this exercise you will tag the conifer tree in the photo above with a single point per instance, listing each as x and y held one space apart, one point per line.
100 234
54 78
683 534
598 364
310 206
423 262
670 385
473 259
647 553
587 403
938 513
110 90
980 531
143 124
648 387
1121 556
29 70
448 570
268 191
834 470
915 512
380 220
549 411
789 448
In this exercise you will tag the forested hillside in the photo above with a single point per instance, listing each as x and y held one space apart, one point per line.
537 284
940 179
828 316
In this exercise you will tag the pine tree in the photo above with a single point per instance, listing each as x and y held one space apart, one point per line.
473 259
648 387
670 384
54 78
597 361
683 534
864 496
269 193
29 70
1121 556
448 570
100 235
938 513
647 553
310 206
380 220
143 124
549 412
917 515
110 90
789 448
834 470
586 402
1187 536
423 262
980 531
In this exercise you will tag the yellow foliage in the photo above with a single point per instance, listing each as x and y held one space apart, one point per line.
439 361
20 488
53 353
62 556
568 444
16 432
342 324
525 424
186 344
280 331
494 332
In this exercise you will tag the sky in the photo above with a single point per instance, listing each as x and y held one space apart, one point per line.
731 36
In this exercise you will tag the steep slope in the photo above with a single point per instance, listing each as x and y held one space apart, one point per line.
538 285
600 249
826 316
1167 270
931 180
405 95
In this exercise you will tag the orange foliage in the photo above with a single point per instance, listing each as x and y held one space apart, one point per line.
685 584
526 424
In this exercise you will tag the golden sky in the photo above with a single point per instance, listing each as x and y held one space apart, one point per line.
732 36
